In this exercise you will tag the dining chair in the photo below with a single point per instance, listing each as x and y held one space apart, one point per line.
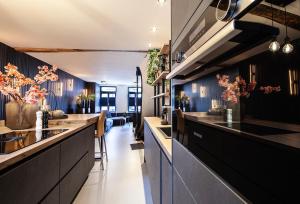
100 135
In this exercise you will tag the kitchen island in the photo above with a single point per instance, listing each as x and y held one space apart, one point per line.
53 169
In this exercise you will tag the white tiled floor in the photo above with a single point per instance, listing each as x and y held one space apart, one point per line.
124 179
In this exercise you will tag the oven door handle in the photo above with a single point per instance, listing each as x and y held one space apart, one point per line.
198 135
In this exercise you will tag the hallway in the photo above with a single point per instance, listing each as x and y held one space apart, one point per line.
124 179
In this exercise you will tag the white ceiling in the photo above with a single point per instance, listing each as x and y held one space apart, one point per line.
87 24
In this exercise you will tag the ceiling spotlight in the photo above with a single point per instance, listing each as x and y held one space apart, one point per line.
287 46
149 45
274 45
154 29
161 2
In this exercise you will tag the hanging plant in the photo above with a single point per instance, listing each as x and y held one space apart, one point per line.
152 66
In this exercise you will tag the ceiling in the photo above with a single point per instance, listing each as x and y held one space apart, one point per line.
87 24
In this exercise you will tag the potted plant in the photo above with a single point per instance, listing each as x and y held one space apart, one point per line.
81 101
183 102
20 111
90 98
152 65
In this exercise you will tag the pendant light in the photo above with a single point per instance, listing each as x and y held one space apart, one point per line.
287 46
274 44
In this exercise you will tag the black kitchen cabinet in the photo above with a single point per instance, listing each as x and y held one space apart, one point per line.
54 175
274 170
202 183
73 181
72 149
30 181
205 138
52 197
159 169
181 12
261 171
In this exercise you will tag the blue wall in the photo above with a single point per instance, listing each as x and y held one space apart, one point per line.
213 91
28 66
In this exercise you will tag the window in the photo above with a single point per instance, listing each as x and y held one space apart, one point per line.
108 98
132 93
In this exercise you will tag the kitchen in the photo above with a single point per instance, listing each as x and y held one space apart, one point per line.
235 113
209 111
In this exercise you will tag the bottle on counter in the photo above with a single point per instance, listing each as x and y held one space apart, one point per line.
45 118
39 122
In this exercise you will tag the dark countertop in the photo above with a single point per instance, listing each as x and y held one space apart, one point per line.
290 141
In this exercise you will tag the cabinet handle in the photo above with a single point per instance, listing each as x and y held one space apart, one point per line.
198 135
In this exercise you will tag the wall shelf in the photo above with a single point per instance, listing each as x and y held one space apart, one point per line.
165 50
160 77
162 95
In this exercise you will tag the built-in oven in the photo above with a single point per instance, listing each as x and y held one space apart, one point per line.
218 31
210 17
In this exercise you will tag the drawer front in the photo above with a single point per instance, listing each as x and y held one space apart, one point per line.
31 181
147 142
204 184
52 197
180 192
72 150
71 184
276 171
205 137
91 145
166 180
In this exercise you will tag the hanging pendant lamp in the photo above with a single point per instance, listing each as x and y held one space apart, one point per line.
274 44
287 46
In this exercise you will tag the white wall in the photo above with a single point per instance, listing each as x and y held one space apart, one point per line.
122 99
122 94
148 91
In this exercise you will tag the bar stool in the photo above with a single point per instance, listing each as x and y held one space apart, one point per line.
180 124
101 138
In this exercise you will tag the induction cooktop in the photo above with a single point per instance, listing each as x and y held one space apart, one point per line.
13 141
256 129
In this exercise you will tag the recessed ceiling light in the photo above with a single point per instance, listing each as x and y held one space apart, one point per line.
161 2
154 29
149 45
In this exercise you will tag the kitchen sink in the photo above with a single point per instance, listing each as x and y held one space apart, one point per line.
166 131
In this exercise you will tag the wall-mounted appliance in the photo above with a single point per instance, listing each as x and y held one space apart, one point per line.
222 31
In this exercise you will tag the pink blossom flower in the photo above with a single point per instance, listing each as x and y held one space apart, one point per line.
270 89
12 80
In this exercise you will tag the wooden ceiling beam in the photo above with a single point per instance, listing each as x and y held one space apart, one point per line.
57 50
